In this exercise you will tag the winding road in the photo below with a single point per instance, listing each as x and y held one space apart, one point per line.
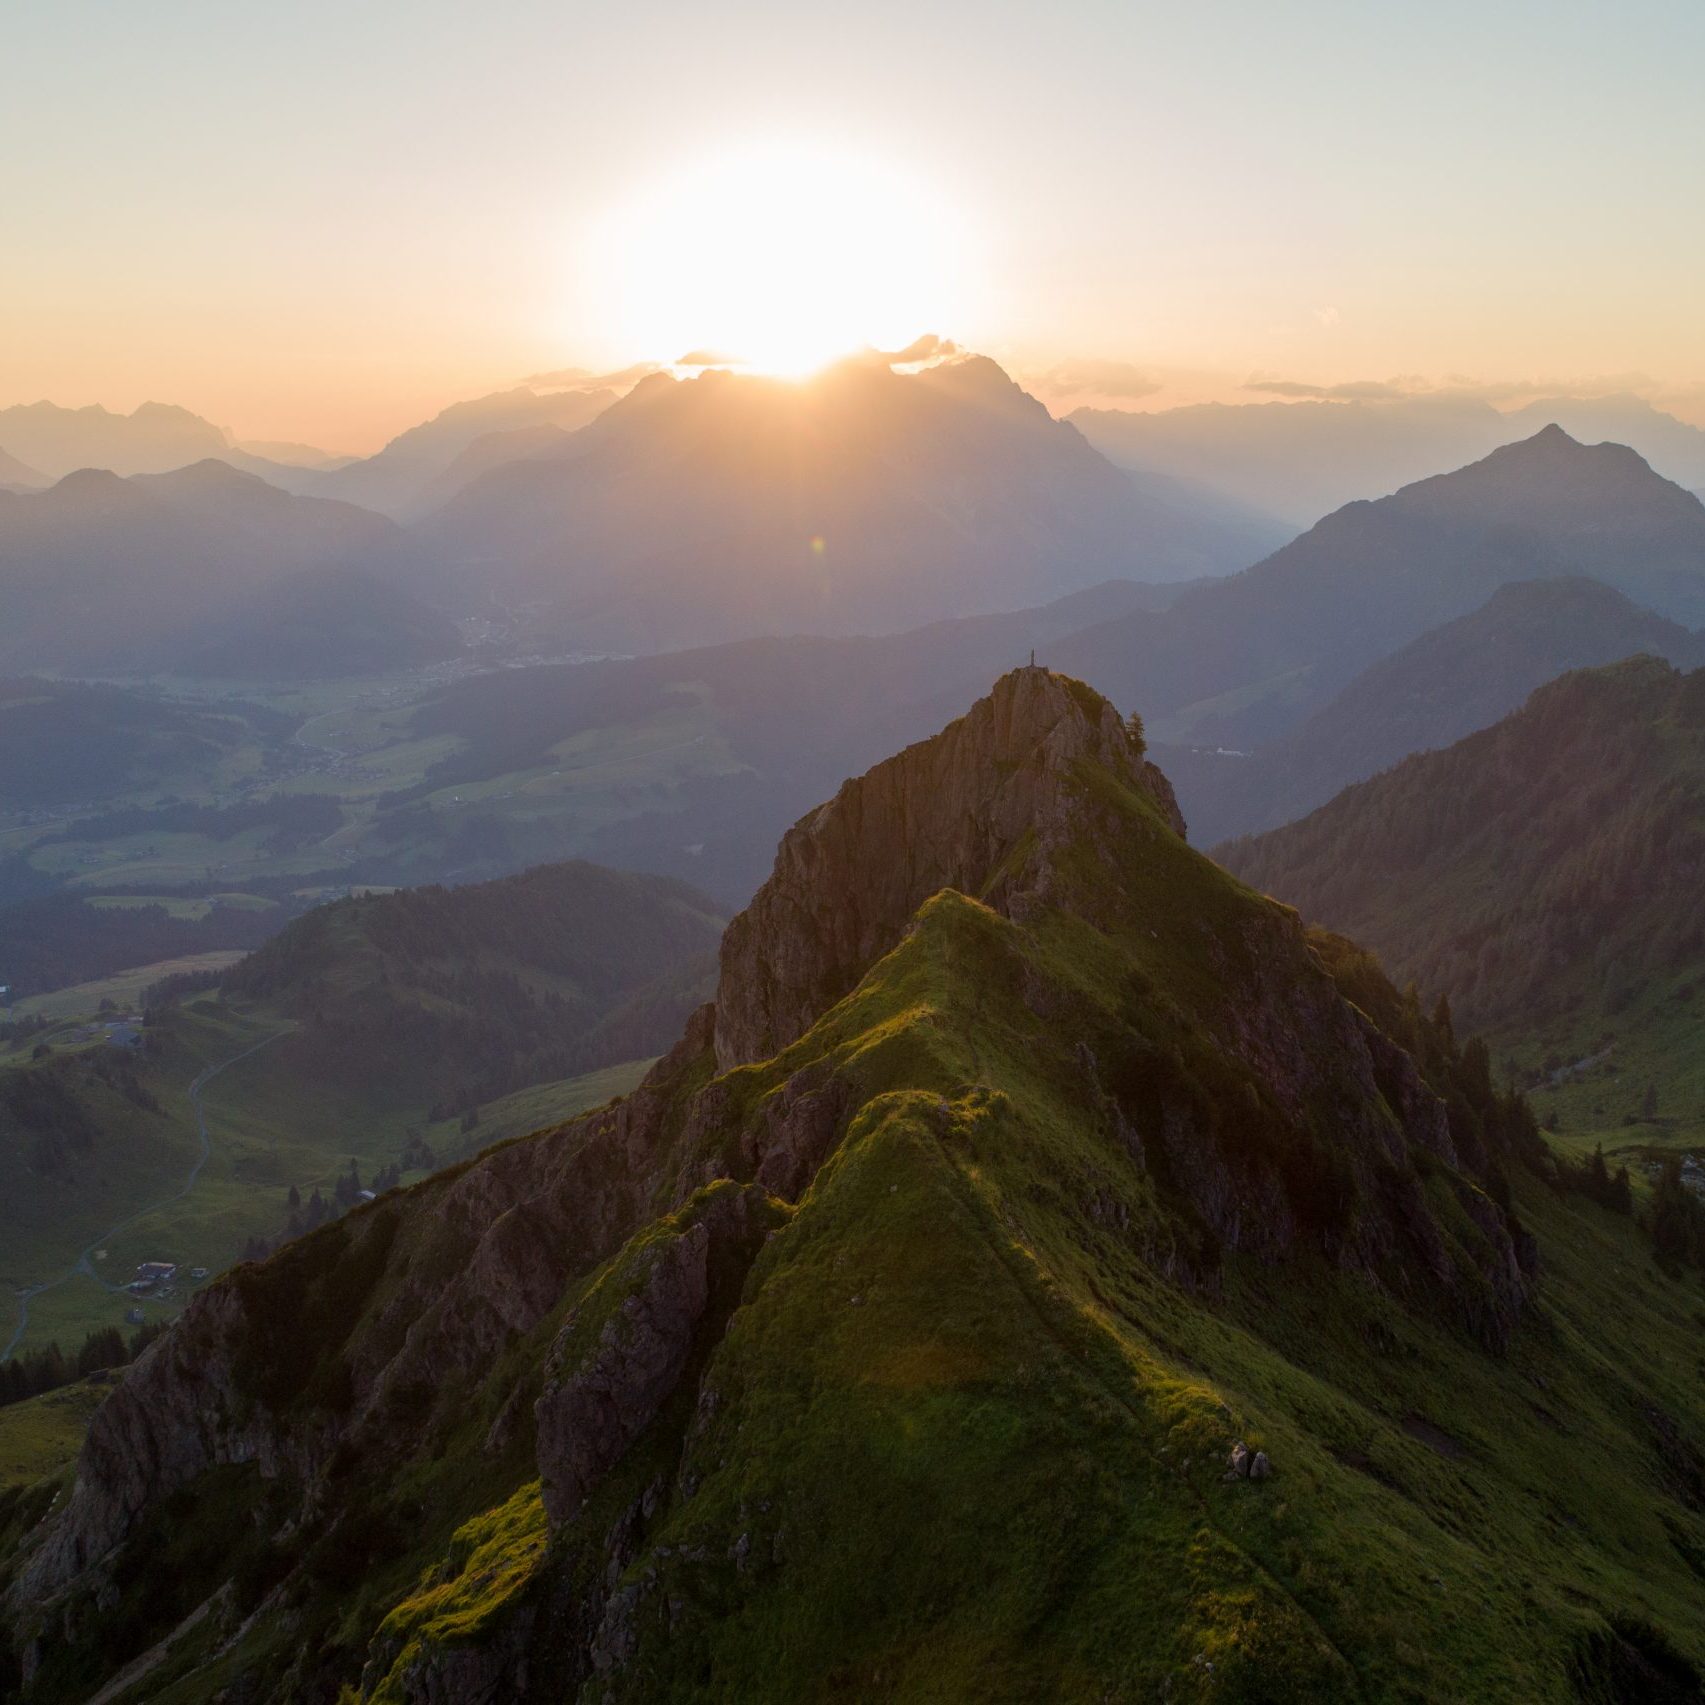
85 1260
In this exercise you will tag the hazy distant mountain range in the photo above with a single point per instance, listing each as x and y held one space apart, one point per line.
1451 681
422 467
868 500
1240 661
15 476
691 510
1302 460
154 439
130 576
40 442
1379 632
865 500
1389 628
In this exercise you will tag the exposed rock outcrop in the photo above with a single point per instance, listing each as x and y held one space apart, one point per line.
616 1362
949 812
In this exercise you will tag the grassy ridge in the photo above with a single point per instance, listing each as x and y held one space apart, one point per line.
942 1345
1108 1186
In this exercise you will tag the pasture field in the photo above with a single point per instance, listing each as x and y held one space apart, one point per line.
534 1108
42 1435
123 988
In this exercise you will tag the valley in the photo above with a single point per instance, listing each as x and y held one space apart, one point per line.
386 1096
215 1102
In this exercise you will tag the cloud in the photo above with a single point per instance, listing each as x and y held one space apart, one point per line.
708 358
1120 381
1289 388
929 347
1463 388
1358 390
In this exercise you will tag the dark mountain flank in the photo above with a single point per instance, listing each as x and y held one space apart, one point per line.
1546 865
1045 1270
1241 661
1450 682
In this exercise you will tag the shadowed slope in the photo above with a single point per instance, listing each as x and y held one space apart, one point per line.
905 1362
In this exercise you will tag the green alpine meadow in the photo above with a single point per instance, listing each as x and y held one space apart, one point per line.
1047 1269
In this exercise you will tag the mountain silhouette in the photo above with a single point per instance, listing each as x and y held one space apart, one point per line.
152 439
102 573
1242 660
864 500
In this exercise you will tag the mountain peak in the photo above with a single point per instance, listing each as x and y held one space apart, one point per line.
210 474
90 485
1554 484
982 807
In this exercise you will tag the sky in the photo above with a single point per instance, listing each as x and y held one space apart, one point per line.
322 222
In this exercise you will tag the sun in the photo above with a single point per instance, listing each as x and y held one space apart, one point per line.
781 256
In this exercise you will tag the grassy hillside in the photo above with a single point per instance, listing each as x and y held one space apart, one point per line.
389 1032
532 1109
102 1146
437 999
907 1363
40 1438
1544 868
395 1032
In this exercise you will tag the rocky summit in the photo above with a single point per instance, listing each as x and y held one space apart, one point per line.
1047 1270
984 807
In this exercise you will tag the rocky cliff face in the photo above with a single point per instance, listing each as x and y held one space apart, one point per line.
613 1367
591 1343
954 811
